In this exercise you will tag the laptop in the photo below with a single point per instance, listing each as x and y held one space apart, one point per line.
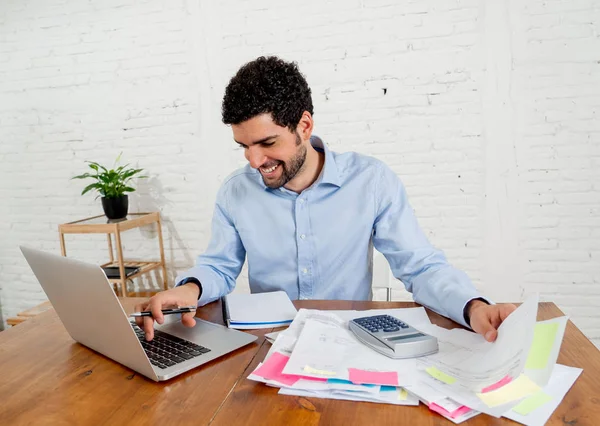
90 311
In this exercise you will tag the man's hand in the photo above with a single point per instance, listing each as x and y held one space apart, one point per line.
185 295
485 319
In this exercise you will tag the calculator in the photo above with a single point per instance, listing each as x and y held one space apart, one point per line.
392 337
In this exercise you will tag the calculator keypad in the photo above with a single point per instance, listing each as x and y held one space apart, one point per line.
377 323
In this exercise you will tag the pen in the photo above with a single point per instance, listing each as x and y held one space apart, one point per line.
166 311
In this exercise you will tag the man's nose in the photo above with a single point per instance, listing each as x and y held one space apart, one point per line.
255 156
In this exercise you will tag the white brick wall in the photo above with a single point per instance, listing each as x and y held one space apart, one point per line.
486 109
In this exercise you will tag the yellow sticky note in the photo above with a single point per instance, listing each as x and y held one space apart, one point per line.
544 335
309 369
402 395
442 377
518 388
534 401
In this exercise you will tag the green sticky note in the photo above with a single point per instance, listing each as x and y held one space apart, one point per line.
529 404
544 335
443 377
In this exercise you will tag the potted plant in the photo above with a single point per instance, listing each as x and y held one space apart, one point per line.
112 185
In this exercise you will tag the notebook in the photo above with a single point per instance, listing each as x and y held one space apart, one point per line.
259 310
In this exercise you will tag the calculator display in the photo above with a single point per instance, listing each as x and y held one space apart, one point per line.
409 336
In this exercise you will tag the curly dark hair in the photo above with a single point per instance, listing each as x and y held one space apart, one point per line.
267 85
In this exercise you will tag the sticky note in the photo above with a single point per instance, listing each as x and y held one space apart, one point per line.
497 385
518 388
454 414
272 369
442 377
403 394
389 378
387 388
544 335
348 382
534 401
311 370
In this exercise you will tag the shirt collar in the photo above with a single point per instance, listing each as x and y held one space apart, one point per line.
330 173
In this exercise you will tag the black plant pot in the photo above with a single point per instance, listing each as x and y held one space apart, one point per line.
115 208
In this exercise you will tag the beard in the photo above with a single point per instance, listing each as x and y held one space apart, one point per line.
289 168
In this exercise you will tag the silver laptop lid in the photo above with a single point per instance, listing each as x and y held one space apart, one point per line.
88 307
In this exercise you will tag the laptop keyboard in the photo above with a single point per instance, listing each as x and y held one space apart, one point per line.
166 350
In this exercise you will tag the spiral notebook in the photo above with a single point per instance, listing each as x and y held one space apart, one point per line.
259 310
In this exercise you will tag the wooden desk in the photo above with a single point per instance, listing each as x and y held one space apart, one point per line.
46 378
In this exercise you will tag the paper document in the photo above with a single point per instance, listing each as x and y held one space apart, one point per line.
326 351
475 366
537 409
547 338
516 376
258 310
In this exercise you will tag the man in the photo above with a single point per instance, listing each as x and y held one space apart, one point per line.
308 218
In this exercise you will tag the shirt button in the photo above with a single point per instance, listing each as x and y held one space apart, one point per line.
303 236
301 200
305 271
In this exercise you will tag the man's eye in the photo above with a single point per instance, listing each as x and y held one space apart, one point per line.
242 146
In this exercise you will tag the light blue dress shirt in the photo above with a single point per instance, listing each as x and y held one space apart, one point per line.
319 244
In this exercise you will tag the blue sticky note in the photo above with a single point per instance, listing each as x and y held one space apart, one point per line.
347 382
340 381
385 388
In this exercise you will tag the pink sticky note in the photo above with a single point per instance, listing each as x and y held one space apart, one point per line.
389 378
272 369
454 414
497 385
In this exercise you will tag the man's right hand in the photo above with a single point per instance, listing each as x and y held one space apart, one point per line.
185 295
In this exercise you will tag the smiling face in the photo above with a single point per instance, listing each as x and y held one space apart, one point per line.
277 153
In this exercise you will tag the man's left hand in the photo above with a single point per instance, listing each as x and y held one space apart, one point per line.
485 319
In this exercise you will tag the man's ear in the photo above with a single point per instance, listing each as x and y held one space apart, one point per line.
305 126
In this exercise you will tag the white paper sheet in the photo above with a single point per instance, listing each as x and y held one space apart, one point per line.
541 376
326 351
560 382
476 364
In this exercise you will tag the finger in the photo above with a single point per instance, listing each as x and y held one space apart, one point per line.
506 309
482 324
187 319
491 335
156 306
149 328
496 317
139 308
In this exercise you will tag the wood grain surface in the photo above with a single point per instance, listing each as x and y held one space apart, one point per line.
46 378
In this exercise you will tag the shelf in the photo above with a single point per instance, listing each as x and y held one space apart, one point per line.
102 225
144 266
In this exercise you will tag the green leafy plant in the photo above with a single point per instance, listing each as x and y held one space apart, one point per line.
111 183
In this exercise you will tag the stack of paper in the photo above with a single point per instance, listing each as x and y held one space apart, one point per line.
259 310
516 376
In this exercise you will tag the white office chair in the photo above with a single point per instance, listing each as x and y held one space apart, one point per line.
384 280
